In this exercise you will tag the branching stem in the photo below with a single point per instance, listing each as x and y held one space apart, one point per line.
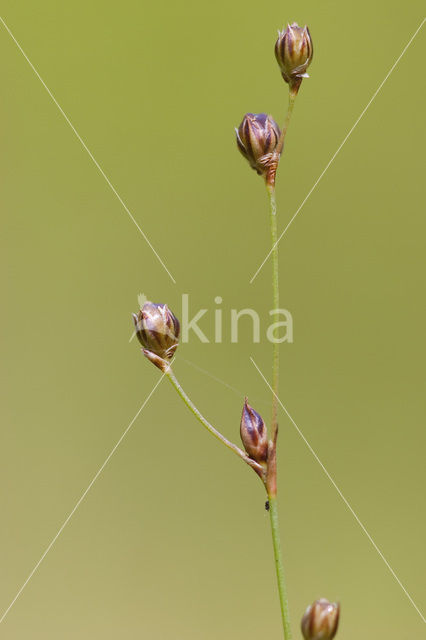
206 424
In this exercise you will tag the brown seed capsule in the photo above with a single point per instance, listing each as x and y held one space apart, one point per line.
320 620
294 51
157 329
253 434
257 137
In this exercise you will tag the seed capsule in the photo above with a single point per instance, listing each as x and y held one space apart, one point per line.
294 51
320 620
254 434
257 137
157 329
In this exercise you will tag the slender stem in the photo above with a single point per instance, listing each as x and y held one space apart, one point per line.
275 160
276 305
282 590
270 185
271 478
291 100
191 406
273 509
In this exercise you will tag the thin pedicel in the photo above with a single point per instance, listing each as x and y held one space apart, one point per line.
261 142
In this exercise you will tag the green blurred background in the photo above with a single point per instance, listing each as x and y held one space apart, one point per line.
172 541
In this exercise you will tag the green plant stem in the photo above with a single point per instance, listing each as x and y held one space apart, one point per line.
292 94
276 305
282 590
275 279
273 508
191 406
271 484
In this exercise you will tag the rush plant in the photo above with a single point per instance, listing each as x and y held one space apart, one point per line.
261 142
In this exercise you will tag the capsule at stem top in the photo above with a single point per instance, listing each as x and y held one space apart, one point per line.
294 51
157 329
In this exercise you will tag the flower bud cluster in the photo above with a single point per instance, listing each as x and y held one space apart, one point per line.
259 137
260 141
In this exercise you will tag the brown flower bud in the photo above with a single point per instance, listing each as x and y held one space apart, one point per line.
254 434
321 620
257 137
294 51
157 329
